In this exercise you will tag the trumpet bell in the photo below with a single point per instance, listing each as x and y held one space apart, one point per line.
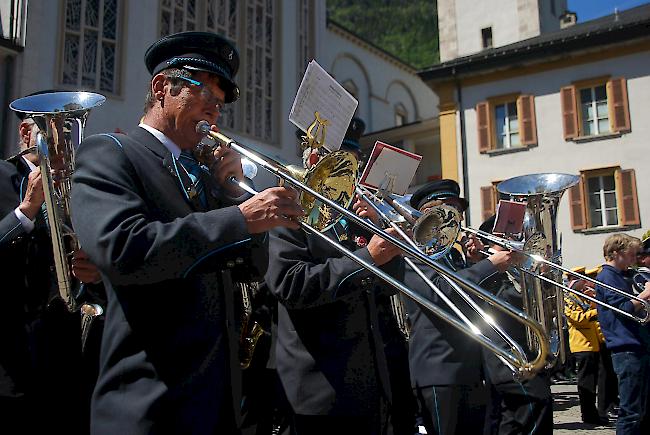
335 177
436 231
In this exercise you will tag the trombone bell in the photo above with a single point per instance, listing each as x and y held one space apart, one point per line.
436 231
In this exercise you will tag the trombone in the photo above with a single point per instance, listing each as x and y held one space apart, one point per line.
371 200
524 250
522 367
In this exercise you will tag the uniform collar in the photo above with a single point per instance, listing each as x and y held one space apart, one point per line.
166 141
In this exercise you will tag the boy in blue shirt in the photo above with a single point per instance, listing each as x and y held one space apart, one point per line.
628 341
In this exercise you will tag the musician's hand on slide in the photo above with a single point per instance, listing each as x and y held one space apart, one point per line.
274 207
383 251
501 260
83 269
362 209
473 247
34 196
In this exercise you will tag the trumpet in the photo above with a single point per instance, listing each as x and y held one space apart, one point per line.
519 363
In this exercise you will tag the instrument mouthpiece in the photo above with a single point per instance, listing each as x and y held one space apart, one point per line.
249 168
203 127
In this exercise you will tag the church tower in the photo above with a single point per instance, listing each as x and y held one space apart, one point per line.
468 26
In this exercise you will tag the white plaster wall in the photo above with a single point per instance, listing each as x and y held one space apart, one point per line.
460 23
472 16
382 84
554 154
448 40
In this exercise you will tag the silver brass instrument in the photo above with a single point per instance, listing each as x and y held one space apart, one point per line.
541 282
440 225
640 278
540 242
542 299
61 118
524 368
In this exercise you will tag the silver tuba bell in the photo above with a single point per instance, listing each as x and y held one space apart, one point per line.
541 299
61 118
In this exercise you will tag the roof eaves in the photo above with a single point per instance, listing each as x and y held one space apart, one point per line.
595 35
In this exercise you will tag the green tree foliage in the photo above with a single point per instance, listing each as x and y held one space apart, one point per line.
407 29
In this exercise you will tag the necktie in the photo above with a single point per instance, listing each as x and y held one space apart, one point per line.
194 171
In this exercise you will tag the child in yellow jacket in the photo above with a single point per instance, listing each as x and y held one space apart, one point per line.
585 341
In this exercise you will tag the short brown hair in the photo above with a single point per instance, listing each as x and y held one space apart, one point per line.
619 242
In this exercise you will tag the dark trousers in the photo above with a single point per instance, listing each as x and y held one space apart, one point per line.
403 407
452 409
587 367
16 412
520 408
265 408
633 372
334 425
607 383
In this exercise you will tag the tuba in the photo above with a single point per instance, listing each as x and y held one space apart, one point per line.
542 298
60 118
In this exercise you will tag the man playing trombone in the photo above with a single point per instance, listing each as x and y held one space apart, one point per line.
445 364
330 352
514 406
167 234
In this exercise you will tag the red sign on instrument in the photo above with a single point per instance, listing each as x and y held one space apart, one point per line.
390 168
510 217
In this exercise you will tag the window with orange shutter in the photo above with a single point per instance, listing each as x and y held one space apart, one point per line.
506 122
488 201
604 198
595 107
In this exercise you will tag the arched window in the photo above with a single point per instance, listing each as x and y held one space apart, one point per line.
305 35
91 48
251 25
401 115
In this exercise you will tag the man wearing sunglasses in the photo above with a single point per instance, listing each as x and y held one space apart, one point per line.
169 236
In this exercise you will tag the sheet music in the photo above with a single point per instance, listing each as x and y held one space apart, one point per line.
319 92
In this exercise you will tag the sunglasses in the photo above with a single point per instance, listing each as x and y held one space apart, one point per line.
206 93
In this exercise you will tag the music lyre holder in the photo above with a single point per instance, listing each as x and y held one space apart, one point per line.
316 139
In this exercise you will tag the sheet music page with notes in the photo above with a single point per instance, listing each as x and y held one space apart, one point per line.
319 92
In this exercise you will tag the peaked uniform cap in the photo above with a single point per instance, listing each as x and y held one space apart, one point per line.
197 51
439 189
353 134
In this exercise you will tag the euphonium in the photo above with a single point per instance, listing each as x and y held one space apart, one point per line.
61 118
542 299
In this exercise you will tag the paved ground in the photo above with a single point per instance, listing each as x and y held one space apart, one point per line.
566 413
